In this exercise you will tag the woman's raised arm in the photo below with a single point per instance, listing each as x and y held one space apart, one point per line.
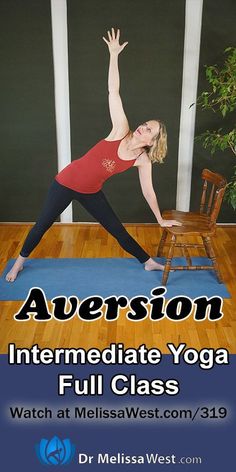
120 125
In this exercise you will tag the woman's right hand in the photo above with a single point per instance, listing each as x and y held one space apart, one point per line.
169 223
113 42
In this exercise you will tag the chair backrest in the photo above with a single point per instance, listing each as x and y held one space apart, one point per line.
214 186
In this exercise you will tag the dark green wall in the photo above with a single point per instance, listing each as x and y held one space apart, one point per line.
28 141
218 32
151 74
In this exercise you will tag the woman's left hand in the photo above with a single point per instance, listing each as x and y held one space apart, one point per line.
113 42
168 223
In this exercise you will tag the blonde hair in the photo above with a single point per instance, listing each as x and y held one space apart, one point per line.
158 150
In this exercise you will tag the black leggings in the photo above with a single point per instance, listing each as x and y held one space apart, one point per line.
59 197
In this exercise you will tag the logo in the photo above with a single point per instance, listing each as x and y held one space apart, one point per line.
109 165
55 451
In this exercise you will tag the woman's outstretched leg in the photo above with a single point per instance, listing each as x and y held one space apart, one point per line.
99 208
58 198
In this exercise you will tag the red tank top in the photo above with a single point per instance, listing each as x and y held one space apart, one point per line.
88 174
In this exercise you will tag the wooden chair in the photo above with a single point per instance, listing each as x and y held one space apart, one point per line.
201 224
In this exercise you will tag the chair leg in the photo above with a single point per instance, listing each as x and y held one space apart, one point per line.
206 247
187 256
211 255
168 261
162 243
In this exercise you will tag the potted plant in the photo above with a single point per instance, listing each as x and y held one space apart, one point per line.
221 98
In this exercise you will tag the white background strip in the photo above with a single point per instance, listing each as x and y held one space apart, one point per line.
61 81
193 22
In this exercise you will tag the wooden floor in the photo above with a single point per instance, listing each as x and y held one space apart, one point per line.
89 240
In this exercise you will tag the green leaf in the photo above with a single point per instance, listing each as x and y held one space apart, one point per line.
220 97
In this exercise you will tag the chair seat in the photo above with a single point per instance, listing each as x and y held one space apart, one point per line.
192 223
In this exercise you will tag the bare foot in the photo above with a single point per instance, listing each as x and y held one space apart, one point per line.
153 265
17 267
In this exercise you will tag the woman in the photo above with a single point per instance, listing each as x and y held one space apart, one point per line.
82 180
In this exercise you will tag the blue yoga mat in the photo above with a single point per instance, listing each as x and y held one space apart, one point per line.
105 277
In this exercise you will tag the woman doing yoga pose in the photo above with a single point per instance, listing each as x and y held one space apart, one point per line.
82 180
